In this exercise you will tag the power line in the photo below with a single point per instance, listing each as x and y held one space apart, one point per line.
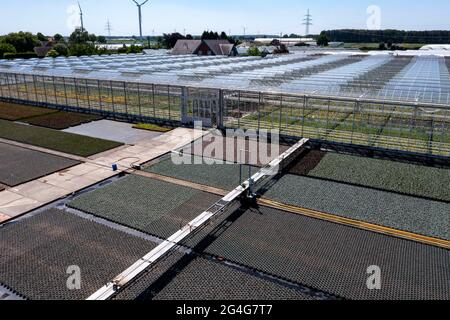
108 27
307 22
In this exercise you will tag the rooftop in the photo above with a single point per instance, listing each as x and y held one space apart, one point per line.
412 77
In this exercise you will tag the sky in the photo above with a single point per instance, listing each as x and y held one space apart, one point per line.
194 16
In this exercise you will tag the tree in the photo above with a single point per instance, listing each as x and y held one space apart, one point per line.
61 49
101 39
92 38
6 48
254 51
210 35
169 40
393 36
189 37
58 38
22 41
223 36
382 46
53 54
322 40
41 37
79 37
82 49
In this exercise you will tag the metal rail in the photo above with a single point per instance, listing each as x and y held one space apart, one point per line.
156 254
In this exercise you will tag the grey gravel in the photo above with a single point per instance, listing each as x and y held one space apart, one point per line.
36 252
113 130
20 165
407 213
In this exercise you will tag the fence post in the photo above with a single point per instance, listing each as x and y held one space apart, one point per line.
184 105
126 98
221 110
259 111
355 108
99 95
112 99
305 101
139 98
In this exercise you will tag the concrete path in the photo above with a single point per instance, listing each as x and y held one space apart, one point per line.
113 130
29 196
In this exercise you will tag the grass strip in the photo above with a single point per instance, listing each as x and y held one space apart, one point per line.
55 140
151 127
61 120
14 112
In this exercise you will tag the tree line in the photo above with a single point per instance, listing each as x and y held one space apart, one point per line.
389 36
168 40
79 43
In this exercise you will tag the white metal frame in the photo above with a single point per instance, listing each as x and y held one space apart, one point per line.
156 254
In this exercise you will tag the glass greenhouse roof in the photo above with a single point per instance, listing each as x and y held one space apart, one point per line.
423 78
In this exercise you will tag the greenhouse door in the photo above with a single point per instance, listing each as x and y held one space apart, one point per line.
201 105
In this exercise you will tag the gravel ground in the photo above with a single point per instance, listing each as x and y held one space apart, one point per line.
384 174
113 130
379 207
224 176
206 147
306 162
152 206
187 277
36 252
19 165
332 257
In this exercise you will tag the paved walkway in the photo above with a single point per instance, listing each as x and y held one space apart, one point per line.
29 196
113 130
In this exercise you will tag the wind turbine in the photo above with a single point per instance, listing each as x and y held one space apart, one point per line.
81 17
140 15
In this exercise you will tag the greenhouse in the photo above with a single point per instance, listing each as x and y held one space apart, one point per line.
396 102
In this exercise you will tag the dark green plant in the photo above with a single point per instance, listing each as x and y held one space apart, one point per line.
61 49
22 41
6 48
323 40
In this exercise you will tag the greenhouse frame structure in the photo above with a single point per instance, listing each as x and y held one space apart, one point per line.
382 102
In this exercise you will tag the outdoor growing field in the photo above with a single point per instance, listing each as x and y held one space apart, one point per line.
15 112
55 140
61 120
388 175
150 211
